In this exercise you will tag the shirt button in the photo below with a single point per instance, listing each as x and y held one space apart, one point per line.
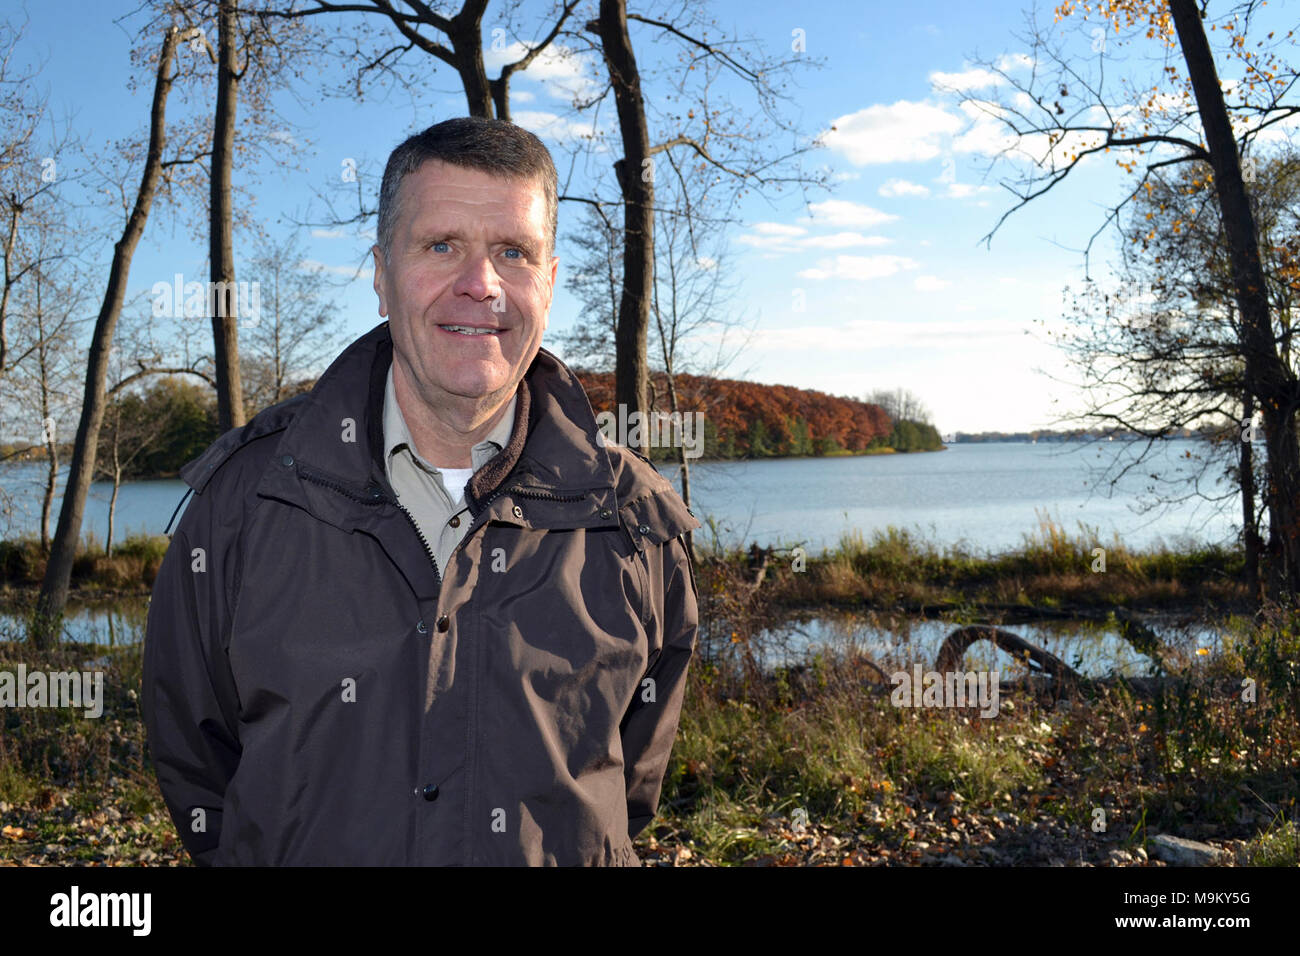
430 792
444 622
422 627
517 511
455 521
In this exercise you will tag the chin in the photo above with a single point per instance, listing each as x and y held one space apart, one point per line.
476 384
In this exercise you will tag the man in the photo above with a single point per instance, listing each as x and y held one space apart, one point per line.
424 614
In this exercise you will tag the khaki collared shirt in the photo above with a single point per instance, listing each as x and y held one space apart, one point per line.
420 486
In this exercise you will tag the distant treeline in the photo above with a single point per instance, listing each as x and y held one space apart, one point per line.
170 423
748 420
1072 434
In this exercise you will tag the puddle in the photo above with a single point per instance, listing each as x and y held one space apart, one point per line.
112 625
1092 649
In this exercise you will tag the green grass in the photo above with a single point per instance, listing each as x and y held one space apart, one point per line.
1279 845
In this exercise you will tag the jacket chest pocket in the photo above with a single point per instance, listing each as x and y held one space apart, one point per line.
559 616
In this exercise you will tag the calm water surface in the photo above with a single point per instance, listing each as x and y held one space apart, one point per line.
984 496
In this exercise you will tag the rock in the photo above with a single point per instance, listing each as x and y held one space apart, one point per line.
1140 853
1180 852
1120 857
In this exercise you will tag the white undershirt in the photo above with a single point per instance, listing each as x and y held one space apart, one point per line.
455 480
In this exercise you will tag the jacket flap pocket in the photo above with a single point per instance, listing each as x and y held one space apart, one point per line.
657 518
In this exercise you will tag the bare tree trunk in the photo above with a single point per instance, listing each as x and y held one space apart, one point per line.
112 504
1267 377
10 238
53 597
51 482
683 467
1250 534
466 35
47 426
223 301
636 180
117 473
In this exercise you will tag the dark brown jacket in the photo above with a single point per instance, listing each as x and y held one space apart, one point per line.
318 691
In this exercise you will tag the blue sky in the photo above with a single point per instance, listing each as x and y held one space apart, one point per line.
896 287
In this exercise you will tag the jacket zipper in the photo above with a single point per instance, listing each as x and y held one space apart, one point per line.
514 491
544 497
381 499
423 540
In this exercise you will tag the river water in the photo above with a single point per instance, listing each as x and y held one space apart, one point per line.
986 496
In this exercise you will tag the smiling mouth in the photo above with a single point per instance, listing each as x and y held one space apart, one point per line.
470 330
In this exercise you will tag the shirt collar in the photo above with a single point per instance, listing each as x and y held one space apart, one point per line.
396 433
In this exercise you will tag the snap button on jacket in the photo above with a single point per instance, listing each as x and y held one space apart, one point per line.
318 691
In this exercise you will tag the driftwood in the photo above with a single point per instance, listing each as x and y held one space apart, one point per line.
955 647
1065 681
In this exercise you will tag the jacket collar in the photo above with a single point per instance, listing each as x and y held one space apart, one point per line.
553 472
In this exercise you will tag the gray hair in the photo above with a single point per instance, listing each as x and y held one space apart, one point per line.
494 146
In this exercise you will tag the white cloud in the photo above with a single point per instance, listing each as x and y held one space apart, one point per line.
967 80
552 125
778 237
905 131
1010 62
965 190
843 240
901 187
930 284
859 268
328 233
562 71
842 212
521 96
283 136
778 229
877 334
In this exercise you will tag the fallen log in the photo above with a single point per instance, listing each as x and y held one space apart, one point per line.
959 641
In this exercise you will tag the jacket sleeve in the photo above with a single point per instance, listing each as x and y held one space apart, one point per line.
188 697
650 725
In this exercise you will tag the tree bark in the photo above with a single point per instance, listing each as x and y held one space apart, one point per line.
47 429
53 596
1250 534
466 38
1267 376
223 298
10 239
636 180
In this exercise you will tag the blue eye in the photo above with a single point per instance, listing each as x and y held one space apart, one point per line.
519 256
437 244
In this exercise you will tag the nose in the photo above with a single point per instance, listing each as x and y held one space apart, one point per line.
478 278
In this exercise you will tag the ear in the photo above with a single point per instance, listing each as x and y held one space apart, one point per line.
379 279
546 317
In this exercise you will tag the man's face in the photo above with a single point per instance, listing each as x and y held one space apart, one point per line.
468 285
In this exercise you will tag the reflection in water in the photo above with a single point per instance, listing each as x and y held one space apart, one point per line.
896 642
114 624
